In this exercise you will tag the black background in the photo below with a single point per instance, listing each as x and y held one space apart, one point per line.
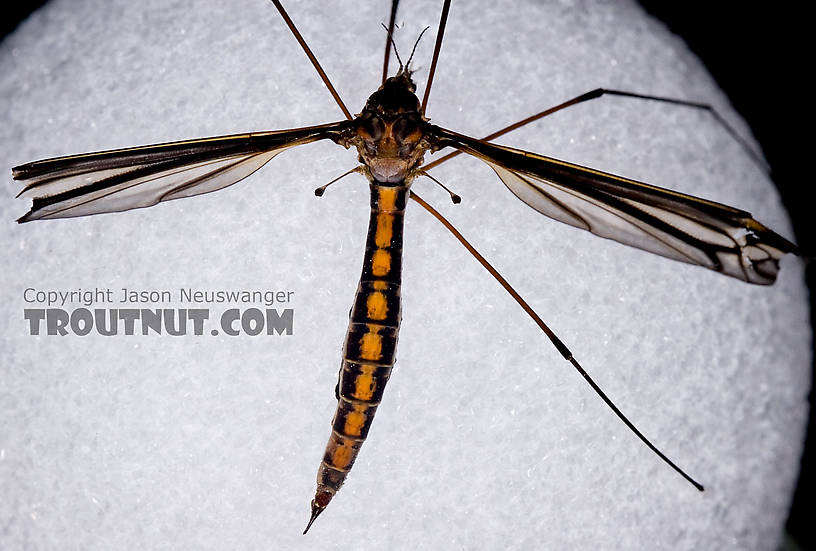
759 57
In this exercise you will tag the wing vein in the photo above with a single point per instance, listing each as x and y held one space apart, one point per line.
658 220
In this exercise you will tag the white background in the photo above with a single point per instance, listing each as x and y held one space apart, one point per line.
486 438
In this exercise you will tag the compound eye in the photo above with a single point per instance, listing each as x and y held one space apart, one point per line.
406 129
371 128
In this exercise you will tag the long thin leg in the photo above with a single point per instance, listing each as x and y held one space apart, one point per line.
565 352
391 20
443 19
562 348
597 93
312 58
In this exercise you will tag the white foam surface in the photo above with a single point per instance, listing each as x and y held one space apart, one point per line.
486 438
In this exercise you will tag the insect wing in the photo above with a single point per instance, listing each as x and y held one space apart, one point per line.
661 221
124 179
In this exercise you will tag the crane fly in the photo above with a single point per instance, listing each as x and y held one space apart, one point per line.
391 136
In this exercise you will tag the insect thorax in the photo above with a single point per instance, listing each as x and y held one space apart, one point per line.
390 133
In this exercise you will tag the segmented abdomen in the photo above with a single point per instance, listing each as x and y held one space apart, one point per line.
371 341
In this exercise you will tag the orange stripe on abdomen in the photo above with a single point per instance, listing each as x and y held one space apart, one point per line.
371 341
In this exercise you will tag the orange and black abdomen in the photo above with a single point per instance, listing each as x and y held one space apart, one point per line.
371 341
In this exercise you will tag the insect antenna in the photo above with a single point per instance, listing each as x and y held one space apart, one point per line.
394 44
388 40
562 348
312 58
443 19
414 48
396 53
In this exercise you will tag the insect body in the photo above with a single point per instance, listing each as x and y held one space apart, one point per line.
391 136
391 144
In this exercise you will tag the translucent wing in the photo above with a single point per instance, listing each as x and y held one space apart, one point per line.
654 219
123 179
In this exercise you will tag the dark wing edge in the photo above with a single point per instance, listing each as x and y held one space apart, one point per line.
138 177
661 221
